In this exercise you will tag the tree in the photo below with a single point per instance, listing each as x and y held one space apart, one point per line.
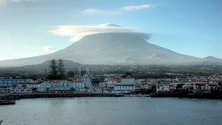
153 89
47 90
34 89
220 83
70 74
72 89
61 69
53 70
95 81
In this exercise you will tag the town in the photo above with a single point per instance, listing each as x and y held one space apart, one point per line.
84 82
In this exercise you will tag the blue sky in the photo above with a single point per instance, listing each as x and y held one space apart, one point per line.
191 27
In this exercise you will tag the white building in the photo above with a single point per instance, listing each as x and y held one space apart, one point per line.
128 80
6 85
163 88
124 88
20 90
62 85
45 86
84 78
199 85
126 85
78 86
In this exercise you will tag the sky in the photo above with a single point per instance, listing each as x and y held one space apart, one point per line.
37 27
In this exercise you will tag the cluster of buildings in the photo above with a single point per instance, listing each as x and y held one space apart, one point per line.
112 83
195 83
119 84
80 82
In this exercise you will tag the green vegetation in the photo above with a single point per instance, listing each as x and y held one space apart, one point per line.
57 71
53 70
61 69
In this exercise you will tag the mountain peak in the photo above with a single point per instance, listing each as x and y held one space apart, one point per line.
114 49
210 57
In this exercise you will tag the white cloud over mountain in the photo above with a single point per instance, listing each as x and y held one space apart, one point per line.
76 32
48 49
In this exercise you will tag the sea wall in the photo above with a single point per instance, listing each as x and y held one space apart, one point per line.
55 95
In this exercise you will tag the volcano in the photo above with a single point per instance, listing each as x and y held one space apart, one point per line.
114 49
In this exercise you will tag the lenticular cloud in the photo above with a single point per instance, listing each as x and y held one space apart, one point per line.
76 32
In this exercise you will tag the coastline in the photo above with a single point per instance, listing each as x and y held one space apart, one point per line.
55 95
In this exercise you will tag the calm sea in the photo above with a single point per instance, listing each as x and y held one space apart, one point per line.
113 111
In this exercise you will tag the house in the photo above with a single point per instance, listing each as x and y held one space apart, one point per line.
143 84
45 86
199 85
195 78
78 86
126 85
128 80
7 84
61 85
162 87
202 78
124 88
20 90
109 83
34 86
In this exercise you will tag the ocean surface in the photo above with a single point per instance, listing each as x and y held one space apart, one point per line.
113 111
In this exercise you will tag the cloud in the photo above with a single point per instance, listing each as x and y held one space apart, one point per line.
92 11
139 7
98 12
47 49
4 2
22 0
76 32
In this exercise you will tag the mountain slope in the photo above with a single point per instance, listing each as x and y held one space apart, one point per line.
45 66
113 49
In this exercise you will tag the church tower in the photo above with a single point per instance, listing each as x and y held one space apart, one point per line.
79 74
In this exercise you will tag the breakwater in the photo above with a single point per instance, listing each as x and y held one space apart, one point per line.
55 95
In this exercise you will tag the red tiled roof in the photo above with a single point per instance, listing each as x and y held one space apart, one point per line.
73 79
54 81
127 78
112 79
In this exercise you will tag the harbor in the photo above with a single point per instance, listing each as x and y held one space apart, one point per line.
112 111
